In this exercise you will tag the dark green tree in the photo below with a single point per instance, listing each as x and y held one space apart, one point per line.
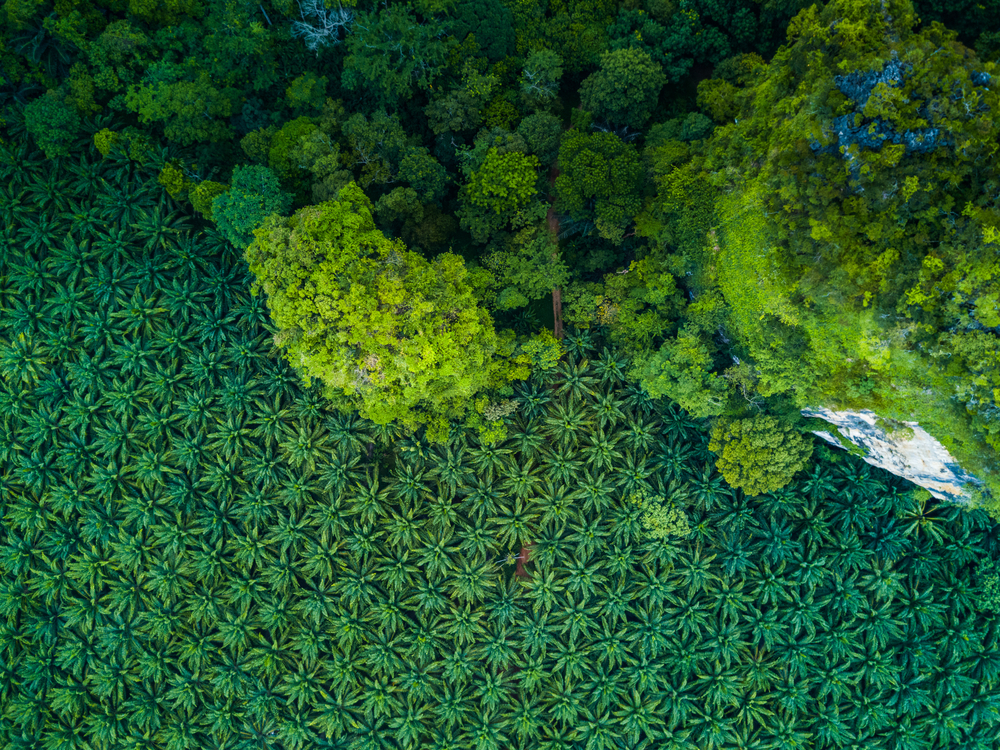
254 194
53 122
624 90
391 52
600 180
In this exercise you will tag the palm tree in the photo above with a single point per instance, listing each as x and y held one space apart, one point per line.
533 399
504 606
522 479
310 404
561 463
612 646
26 274
437 556
490 461
567 422
637 400
454 705
460 664
515 526
527 438
397 572
920 518
449 467
411 726
554 502
342 471
563 700
382 654
600 449
526 717
304 446
611 367
408 485
68 303
918 605
543 589
404 527
250 310
859 478
482 499
626 524
472 580
23 361
442 512
633 473
281 382
886 539
498 649
776 542
37 235
574 380
212 328
608 409
264 468
596 492
589 536
368 501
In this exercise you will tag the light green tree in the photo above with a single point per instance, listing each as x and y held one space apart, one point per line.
661 518
681 369
759 454
498 193
191 109
395 335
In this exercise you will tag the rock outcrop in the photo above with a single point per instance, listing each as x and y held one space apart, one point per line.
903 448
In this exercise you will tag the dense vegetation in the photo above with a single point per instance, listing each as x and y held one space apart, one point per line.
196 553
428 374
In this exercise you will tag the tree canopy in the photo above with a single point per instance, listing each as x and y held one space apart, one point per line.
401 337
759 454
624 90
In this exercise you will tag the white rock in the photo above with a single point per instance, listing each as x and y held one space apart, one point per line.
910 452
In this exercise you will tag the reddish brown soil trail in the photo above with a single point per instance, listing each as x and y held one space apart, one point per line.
523 557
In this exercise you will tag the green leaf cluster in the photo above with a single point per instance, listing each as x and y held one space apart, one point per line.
625 89
403 337
759 454
600 180
253 195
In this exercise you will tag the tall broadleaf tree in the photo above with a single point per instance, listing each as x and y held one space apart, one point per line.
382 328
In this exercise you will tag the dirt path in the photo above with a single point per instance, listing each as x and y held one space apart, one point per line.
523 557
